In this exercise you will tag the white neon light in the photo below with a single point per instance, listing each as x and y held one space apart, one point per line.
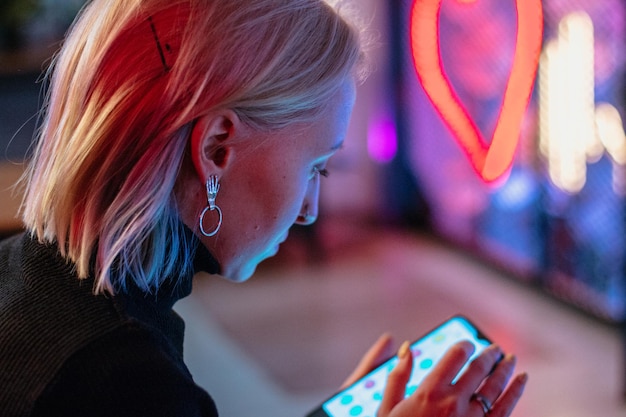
610 131
572 132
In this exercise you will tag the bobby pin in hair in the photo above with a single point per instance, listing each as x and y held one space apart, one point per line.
158 43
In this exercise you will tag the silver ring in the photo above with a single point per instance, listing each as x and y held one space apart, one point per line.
484 402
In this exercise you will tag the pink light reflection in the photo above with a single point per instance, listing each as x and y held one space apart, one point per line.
382 140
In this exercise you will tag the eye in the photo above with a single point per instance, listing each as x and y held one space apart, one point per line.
321 171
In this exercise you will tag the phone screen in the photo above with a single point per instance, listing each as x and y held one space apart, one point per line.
363 398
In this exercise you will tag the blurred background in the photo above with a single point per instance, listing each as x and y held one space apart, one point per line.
409 233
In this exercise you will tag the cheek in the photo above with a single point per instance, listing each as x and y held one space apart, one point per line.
292 198
291 194
274 205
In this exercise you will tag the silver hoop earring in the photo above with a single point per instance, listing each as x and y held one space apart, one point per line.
212 187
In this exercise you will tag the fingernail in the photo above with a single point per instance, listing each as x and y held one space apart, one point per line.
523 378
404 349
494 348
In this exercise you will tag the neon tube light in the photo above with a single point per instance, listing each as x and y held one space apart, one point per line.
492 160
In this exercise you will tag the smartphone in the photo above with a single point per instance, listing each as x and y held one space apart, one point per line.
363 398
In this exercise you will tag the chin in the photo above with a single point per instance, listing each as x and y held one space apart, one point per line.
241 274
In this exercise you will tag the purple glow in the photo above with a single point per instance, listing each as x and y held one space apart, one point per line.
382 140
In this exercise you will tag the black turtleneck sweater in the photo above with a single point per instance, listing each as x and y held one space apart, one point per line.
67 352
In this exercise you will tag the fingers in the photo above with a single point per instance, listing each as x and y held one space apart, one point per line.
507 401
451 363
481 367
479 391
397 380
493 387
373 357
492 394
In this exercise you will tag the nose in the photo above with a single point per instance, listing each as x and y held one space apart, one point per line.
309 210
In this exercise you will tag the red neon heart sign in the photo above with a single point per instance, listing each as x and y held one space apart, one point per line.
491 160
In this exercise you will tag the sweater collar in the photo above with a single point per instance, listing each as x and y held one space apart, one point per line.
173 289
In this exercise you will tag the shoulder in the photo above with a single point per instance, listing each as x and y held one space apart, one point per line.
127 372
10 251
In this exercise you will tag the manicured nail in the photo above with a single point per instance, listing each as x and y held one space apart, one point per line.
494 348
523 378
404 349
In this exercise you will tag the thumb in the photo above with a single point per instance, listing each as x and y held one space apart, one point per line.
379 351
395 390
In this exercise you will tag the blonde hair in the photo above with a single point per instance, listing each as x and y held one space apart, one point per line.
125 89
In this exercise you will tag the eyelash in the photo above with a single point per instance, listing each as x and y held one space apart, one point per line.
322 171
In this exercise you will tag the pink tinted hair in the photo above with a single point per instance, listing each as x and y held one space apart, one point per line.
125 89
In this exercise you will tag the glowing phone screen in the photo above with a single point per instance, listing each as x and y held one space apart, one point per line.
363 398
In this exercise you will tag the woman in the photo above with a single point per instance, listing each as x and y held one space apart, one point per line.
179 136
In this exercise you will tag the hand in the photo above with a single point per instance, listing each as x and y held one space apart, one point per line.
487 375
380 350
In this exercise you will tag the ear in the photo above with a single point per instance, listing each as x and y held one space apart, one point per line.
212 137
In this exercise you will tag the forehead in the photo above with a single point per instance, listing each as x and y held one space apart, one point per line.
332 125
